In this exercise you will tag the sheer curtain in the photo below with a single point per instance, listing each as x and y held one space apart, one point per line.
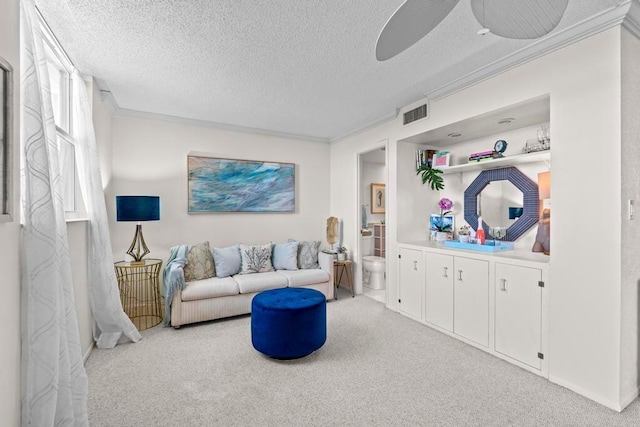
54 382
111 323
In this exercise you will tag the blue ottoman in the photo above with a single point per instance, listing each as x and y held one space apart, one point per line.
288 323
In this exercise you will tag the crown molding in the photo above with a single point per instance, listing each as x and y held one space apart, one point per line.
111 104
603 21
369 125
632 20
109 101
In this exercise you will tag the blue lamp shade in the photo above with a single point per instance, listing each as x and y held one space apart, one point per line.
137 208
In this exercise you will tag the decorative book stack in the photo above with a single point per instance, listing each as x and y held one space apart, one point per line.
484 156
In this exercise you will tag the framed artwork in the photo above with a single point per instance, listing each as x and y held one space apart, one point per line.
378 198
434 219
232 185
440 160
6 139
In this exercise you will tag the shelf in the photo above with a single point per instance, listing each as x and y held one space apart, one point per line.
539 156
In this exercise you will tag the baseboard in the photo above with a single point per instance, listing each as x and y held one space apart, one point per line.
616 406
88 352
630 398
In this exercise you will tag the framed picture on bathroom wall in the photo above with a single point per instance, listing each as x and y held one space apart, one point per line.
378 198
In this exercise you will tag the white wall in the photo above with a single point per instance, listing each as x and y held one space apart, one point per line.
629 361
583 83
150 158
78 237
10 238
371 172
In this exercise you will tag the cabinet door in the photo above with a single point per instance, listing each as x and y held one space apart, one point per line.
439 290
518 313
471 300
411 282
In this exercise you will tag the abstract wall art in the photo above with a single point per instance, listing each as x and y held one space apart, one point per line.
231 185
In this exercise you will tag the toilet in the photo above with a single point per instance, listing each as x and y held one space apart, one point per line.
374 269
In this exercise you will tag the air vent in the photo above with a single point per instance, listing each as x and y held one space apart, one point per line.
415 114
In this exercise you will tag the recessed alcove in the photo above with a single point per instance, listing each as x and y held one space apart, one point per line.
517 124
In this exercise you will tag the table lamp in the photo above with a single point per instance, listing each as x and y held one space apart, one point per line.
138 208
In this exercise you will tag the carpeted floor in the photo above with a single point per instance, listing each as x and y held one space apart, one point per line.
376 368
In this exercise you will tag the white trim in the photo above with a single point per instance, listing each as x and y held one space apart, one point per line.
369 125
603 21
124 112
53 42
616 406
632 21
88 352
109 101
624 402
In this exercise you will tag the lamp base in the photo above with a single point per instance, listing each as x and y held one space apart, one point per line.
138 248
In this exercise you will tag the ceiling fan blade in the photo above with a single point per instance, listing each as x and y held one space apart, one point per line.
519 19
411 22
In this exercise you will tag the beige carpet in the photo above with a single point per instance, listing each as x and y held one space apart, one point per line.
377 368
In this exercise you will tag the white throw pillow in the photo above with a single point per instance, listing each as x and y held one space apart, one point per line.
255 258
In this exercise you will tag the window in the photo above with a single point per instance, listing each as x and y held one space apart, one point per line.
60 69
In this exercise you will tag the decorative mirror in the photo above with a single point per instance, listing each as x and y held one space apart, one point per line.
505 184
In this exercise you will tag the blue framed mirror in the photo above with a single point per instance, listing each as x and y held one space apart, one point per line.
511 176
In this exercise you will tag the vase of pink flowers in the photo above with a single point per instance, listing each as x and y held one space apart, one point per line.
444 229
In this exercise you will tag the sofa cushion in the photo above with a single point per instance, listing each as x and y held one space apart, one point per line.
199 263
308 254
249 283
227 260
285 256
255 258
305 277
210 288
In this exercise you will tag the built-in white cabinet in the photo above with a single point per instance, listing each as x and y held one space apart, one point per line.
439 290
457 296
495 302
518 313
471 300
411 282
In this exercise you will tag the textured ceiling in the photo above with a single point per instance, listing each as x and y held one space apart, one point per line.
304 68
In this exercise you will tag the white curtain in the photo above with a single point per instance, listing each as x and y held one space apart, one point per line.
54 382
111 323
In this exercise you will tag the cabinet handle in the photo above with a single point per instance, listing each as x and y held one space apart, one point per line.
503 285
415 265
444 272
460 275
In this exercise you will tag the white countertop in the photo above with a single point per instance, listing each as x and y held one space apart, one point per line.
518 254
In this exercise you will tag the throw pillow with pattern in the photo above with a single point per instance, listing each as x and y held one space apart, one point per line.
308 254
199 263
255 258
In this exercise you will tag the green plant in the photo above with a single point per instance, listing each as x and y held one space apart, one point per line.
431 176
341 249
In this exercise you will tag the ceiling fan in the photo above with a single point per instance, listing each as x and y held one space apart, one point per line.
513 19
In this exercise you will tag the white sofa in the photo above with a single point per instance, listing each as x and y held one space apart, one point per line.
216 297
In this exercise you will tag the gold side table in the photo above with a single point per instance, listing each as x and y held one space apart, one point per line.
340 268
139 285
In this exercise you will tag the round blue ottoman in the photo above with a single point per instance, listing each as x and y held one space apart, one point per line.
288 323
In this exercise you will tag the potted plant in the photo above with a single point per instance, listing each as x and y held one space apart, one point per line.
342 253
431 176
443 228
463 233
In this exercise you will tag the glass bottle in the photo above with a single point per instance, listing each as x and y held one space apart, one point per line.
480 237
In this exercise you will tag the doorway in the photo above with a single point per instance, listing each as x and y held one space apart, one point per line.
372 218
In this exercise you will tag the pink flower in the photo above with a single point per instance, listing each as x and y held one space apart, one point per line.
445 204
445 209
